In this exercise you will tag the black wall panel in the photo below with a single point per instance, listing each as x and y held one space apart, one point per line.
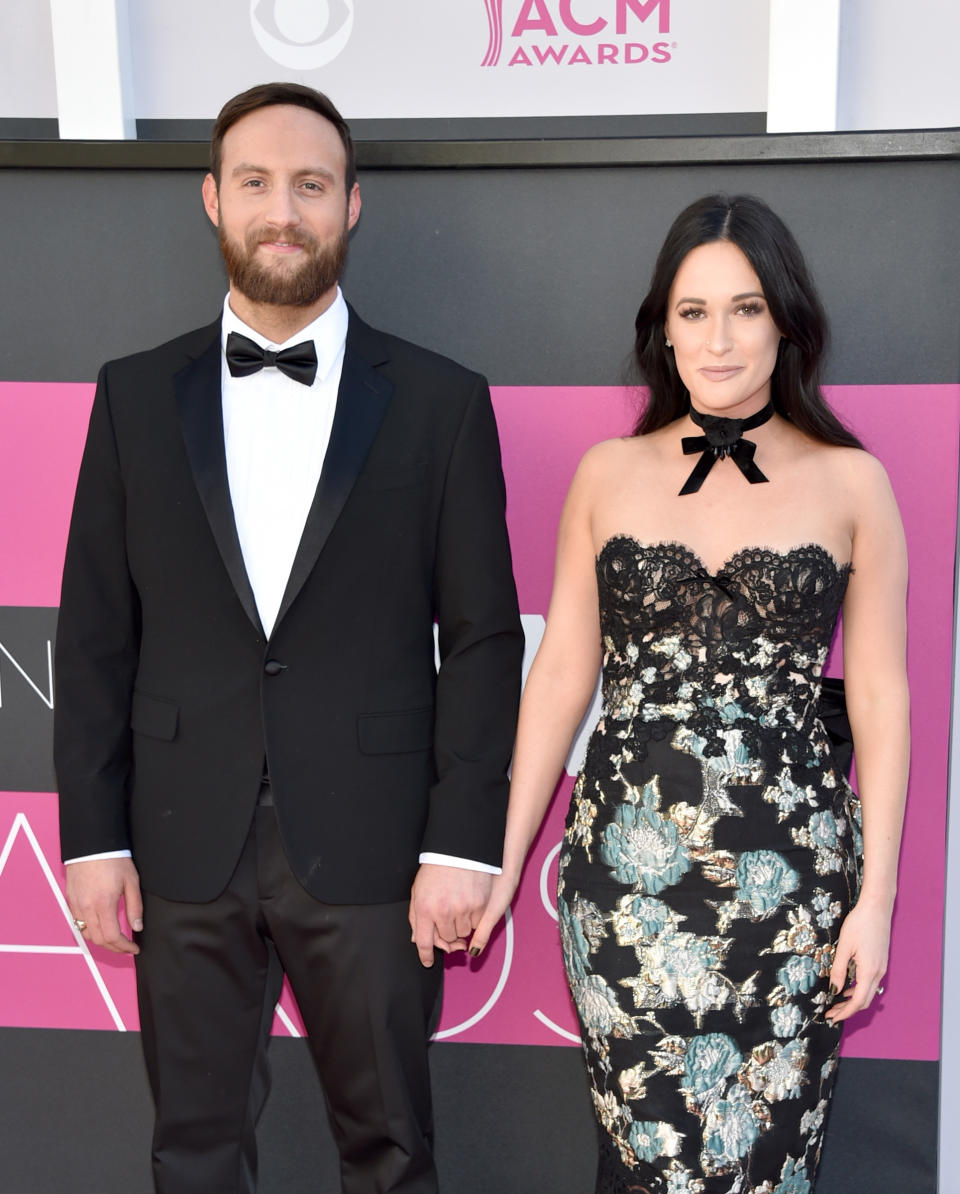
531 275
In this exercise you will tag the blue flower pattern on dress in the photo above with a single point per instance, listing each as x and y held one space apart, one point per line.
793 1179
730 1131
642 848
710 854
764 880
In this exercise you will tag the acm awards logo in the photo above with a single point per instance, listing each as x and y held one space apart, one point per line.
577 32
302 34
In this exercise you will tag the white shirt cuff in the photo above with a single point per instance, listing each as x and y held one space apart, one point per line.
466 864
97 857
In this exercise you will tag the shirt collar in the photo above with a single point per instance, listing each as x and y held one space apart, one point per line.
328 333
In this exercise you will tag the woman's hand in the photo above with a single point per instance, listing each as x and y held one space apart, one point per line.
861 958
504 888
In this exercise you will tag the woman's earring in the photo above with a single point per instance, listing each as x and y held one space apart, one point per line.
668 343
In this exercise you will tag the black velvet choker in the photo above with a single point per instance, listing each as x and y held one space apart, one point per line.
723 437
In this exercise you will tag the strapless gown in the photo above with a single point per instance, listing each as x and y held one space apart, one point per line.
711 853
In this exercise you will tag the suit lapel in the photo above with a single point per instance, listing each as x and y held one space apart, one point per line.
197 390
362 402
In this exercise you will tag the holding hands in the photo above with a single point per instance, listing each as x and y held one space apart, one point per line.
446 905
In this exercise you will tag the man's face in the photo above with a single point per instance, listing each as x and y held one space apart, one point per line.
281 209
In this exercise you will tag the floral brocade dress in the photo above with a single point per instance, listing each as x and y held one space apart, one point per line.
711 853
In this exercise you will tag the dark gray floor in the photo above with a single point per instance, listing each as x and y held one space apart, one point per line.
75 1119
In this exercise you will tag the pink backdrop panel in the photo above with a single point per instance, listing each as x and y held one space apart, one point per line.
44 426
49 977
516 993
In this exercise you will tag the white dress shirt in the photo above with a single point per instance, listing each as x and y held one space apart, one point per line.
276 431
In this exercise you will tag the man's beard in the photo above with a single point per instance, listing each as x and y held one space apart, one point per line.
301 286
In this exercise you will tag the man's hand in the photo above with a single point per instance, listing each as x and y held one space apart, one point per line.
502 891
446 905
94 892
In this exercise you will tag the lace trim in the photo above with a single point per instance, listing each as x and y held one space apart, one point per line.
682 551
741 649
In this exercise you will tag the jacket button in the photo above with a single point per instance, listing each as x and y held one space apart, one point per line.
273 667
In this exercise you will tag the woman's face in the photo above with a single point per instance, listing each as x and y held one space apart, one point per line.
724 339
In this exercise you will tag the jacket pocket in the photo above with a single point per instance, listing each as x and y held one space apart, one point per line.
154 717
395 733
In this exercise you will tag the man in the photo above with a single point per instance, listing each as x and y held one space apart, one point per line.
271 511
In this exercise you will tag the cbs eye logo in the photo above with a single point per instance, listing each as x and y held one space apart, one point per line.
302 34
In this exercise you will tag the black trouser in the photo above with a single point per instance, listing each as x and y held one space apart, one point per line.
208 976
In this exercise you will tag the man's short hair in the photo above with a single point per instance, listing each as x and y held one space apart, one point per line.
268 95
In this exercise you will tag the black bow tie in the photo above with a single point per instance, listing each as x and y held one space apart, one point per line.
245 356
724 437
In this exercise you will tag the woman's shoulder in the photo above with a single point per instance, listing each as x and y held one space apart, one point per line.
611 453
602 465
855 467
849 482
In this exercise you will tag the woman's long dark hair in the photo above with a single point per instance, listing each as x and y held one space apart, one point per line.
795 308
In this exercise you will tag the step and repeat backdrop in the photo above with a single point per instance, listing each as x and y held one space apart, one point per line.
533 276
50 978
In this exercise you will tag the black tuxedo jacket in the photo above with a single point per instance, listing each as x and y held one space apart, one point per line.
169 696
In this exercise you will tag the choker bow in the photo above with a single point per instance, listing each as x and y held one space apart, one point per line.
723 437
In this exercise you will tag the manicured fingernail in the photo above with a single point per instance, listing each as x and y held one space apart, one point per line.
474 951
833 992
137 926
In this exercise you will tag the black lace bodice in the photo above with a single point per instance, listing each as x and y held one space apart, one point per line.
742 648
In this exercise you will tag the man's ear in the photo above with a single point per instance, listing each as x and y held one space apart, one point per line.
211 199
353 205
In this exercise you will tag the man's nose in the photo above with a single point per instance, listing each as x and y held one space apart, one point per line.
282 211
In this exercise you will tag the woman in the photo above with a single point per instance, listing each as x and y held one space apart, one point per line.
716 927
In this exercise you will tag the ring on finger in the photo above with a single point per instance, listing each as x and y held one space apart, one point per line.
80 924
